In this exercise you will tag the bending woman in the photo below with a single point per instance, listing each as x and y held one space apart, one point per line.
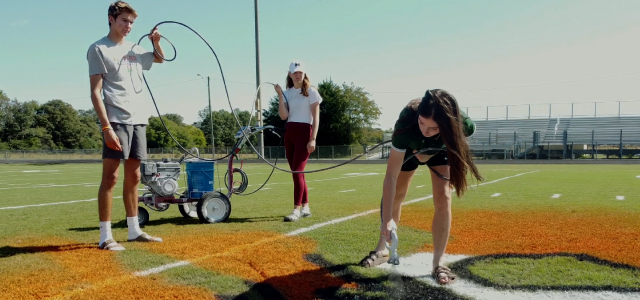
434 122
302 112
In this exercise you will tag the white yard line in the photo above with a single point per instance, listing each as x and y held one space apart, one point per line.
162 268
319 180
419 186
38 186
619 197
496 194
313 227
346 191
54 203
556 196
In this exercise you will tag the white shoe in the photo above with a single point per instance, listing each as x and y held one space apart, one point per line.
306 212
294 216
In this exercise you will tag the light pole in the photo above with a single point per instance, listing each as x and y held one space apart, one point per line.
258 99
213 147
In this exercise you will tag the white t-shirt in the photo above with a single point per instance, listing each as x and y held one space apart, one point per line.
300 106
126 98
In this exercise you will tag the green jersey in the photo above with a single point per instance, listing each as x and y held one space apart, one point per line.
407 135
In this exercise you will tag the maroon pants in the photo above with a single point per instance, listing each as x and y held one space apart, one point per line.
296 138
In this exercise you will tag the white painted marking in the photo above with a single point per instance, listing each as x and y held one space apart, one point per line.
161 268
55 203
336 221
419 265
361 174
420 186
346 191
556 196
38 171
37 186
638 176
619 197
318 180
496 194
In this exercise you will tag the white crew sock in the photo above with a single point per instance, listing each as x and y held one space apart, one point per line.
134 227
105 232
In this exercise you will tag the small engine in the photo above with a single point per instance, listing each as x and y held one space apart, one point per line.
161 178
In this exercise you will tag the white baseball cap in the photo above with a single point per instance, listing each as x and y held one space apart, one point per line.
296 66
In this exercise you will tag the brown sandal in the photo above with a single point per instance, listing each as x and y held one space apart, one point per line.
443 275
374 258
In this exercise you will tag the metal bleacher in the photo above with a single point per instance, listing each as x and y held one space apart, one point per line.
557 137
601 130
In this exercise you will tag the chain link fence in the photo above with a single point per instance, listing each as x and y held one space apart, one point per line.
321 153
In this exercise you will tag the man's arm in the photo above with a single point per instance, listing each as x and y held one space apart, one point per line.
110 137
154 36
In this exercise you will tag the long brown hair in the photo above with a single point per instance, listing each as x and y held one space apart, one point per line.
443 108
305 84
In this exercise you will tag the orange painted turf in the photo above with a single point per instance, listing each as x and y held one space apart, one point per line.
606 235
71 270
80 271
256 256
77 271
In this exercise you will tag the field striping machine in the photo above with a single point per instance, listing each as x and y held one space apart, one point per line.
200 199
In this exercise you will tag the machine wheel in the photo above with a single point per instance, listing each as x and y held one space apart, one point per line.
143 216
214 207
188 210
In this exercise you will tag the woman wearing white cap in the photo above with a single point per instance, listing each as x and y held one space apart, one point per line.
300 106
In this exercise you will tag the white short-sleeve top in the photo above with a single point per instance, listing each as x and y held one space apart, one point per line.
300 106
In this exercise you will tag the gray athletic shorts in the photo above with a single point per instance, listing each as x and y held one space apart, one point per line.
133 140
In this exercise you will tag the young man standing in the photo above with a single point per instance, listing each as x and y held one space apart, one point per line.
115 71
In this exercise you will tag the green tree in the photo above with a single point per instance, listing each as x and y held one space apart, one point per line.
271 117
225 126
371 136
18 128
93 139
176 118
345 114
187 135
63 123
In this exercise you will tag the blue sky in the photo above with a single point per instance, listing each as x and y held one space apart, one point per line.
487 53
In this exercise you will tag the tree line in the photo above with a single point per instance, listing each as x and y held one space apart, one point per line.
347 117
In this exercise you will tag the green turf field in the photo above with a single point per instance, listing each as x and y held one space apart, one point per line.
528 227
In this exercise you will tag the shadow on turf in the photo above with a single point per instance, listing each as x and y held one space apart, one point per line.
178 221
253 220
8 251
388 286
462 269
123 223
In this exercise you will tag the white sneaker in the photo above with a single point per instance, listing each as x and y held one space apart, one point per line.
294 216
306 212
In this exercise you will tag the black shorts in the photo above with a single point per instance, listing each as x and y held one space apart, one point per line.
133 140
440 159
